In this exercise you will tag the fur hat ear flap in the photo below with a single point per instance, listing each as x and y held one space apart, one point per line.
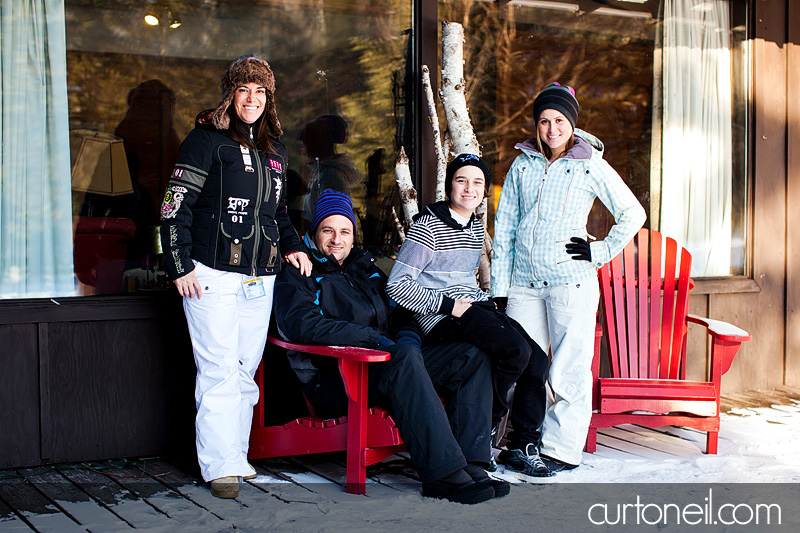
242 70
220 117
271 115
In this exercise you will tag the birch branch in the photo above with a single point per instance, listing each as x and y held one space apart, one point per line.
433 116
452 92
485 266
398 226
408 195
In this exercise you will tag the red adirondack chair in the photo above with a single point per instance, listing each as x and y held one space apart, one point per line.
368 435
646 319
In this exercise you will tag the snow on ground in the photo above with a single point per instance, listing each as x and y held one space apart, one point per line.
758 462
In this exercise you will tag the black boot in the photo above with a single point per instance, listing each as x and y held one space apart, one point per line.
478 474
458 487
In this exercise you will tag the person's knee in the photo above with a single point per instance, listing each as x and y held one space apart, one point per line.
478 363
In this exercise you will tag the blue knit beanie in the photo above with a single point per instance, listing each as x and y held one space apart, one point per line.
332 202
558 97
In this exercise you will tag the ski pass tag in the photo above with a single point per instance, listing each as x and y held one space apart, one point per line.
248 163
253 288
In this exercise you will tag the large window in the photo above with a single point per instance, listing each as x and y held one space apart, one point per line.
664 84
135 75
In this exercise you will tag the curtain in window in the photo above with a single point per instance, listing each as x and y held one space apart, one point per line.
697 144
35 194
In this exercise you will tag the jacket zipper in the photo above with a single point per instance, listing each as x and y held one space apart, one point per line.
256 220
538 215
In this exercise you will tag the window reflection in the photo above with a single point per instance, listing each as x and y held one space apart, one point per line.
339 69
612 53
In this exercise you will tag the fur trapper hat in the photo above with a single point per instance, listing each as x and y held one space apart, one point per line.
247 69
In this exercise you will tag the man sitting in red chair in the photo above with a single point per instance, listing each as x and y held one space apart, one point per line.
344 303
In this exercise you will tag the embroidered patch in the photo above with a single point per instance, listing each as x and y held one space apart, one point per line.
173 236
276 165
177 173
278 186
172 201
177 258
237 204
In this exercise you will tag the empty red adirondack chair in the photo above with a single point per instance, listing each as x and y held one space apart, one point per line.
646 318
368 435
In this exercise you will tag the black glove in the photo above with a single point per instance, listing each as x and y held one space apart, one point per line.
501 302
579 249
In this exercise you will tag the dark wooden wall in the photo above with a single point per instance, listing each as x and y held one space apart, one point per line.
95 378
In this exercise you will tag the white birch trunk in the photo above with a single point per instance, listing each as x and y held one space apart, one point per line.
408 194
433 116
459 126
452 92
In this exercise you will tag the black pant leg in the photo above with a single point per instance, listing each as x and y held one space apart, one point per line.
461 374
415 406
402 385
499 336
530 397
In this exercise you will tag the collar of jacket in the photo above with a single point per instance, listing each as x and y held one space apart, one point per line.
586 145
204 120
441 210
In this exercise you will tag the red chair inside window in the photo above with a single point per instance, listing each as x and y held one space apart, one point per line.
368 435
99 252
645 308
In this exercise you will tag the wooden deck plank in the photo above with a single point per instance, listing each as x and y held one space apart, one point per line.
85 510
608 449
10 522
637 445
664 441
119 500
41 513
142 481
195 491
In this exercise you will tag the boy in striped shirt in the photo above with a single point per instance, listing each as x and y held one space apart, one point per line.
435 278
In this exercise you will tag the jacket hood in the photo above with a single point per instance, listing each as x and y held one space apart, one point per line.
441 210
586 146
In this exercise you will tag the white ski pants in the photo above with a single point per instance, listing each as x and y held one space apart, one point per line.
562 317
228 335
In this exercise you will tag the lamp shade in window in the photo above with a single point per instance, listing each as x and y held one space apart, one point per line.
99 164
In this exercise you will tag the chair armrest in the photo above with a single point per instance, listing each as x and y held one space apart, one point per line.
721 330
350 353
726 338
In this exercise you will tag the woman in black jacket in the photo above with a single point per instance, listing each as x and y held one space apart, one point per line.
224 222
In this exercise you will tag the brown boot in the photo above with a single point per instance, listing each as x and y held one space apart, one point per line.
225 487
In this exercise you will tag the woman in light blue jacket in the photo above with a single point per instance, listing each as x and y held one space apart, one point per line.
545 267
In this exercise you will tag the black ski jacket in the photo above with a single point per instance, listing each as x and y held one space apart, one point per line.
225 206
337 305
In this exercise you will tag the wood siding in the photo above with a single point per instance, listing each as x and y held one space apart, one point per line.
77 387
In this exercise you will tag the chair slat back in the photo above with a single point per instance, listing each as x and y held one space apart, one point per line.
645 299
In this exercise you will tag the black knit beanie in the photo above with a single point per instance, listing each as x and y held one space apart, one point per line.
465 160
558 97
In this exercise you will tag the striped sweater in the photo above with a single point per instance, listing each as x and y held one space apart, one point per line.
437 265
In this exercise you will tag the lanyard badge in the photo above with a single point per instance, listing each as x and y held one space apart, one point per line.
253 288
